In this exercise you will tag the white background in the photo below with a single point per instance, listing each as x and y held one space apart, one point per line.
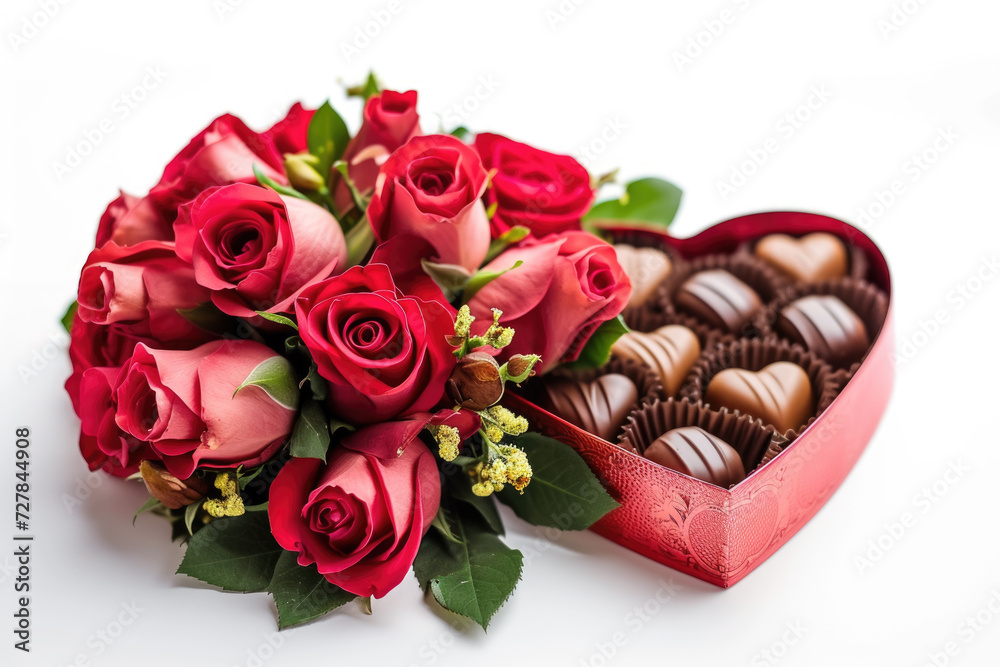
555 80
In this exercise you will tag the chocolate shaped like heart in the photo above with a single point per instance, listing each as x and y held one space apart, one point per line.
812 258
779 394
647 268
697 453
599 407
825 326
670 351
718 298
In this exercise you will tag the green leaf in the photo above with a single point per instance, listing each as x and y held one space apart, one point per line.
651 201
509 237
278 319
327 137
302 594
461 132
275 376
269 182
563 491
367 89
597 350
146 506
262 507
451 278
473 577
233 553
317 383
67 319
356 197
360 239
483 278
460 488
190 512
336 425
310 437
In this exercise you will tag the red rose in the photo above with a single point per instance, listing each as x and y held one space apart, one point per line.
431 188
289 134
140 289
130 220
567 286
255 249
390 120
360 517
102 443
545 192
383 354
182 403
224 152
95 345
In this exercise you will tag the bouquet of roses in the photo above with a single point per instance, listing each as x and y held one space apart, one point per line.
299 340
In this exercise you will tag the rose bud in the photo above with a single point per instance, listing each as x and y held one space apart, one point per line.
168 489
475 383
520 367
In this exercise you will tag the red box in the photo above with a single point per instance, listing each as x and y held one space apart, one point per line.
720 535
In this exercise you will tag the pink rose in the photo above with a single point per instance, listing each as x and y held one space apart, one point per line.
545 192
568 285
390 120
255 249
224 152
129 220
141 289
361 516
431 188
384 354
289 134
182 403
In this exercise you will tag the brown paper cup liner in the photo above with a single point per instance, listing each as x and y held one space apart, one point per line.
760 277
751 439
857 260
755 354
869 302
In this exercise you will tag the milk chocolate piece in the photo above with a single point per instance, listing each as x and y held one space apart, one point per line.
825 326
647 268
718 298
812 258
779 394
670 351
599 407
697 453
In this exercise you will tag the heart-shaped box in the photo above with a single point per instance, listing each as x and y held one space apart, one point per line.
720 535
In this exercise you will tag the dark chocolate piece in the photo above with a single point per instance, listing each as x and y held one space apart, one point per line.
647 268
779 394
718 298
599 407
812 258
670 351
825 326
697 453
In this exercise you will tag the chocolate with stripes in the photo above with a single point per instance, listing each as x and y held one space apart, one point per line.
719 299
825 326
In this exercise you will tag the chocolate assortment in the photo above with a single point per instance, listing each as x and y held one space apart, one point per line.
767 334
